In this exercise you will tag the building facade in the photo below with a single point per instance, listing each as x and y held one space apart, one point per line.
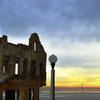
22 69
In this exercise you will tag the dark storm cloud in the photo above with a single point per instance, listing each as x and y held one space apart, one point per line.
73 19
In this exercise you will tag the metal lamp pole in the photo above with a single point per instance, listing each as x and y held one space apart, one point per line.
53 60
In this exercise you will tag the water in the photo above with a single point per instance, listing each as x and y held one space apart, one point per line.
71 95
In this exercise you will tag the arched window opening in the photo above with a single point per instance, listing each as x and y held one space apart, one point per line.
35 46
16 66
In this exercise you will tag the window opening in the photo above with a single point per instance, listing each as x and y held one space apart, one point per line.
31 94
16 94
35 46
4 94
10 95
4 69
16 66
5 61
6 58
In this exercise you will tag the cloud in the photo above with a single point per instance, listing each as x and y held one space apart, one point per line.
68 28
70 19
69 53
74 53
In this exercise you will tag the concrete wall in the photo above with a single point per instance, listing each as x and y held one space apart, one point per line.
31 58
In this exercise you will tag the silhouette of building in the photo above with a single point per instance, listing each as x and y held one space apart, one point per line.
22 69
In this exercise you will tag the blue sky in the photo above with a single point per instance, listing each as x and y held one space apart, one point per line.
68 28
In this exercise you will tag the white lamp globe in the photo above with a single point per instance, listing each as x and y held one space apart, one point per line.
53 59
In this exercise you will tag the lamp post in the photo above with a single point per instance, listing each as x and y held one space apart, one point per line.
53 60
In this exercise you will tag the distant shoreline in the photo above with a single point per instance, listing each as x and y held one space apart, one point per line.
72 89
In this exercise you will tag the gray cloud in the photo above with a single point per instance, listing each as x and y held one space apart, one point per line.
78 61
73 19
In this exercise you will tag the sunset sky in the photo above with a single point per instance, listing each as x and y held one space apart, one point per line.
69 29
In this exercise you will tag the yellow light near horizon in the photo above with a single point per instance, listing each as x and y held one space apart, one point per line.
74 76
62 73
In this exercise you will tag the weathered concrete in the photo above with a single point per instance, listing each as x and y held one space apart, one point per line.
31 62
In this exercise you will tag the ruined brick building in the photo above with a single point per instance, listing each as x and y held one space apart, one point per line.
22 69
